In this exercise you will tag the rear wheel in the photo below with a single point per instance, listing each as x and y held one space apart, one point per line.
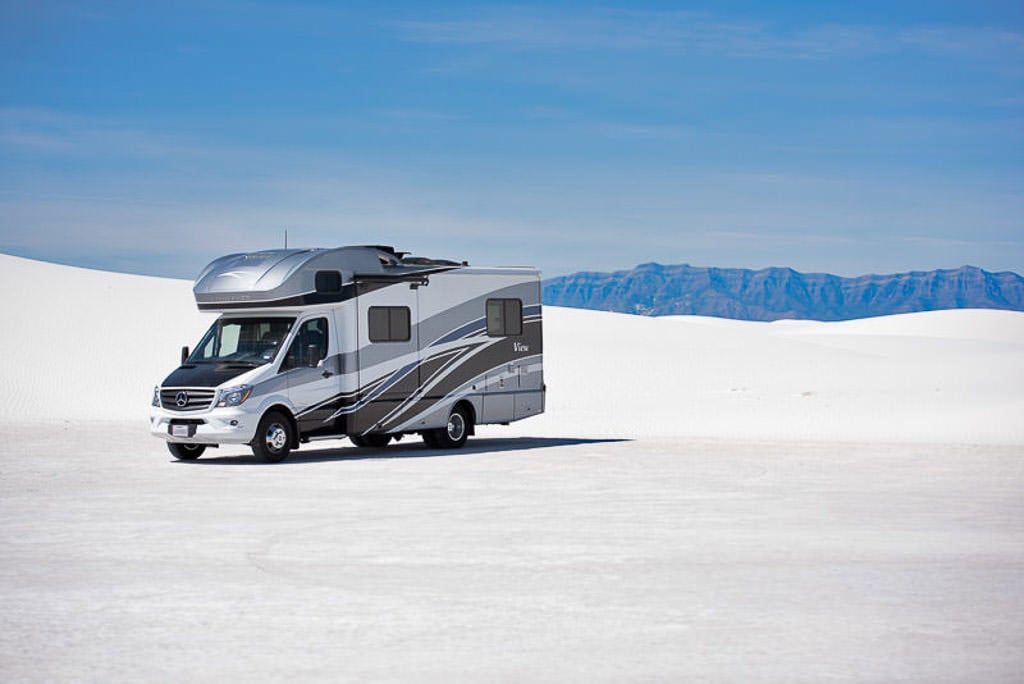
372 441
274 438
186 452
453 435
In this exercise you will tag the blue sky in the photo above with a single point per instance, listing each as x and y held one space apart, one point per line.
841 137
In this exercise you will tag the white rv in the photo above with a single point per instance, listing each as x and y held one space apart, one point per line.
363 342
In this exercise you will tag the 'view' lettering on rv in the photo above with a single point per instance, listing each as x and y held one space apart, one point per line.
363 342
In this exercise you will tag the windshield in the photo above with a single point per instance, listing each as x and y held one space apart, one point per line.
244 341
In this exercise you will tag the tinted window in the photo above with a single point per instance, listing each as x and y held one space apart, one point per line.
495 318
390 324
328 281
242 340
312 333
504 317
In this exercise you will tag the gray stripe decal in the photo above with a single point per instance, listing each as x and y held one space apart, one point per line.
395 377
459 333
529 313
463 354
341 396
457 394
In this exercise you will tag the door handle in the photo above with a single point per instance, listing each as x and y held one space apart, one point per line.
326 374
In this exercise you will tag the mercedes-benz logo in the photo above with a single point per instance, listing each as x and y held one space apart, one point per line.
181 399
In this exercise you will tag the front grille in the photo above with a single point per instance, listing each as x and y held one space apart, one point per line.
194 399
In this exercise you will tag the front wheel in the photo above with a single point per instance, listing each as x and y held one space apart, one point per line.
454 434
186 452
274 438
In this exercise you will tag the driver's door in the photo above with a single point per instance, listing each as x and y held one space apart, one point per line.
310 368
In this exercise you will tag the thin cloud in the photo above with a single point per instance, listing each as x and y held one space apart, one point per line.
421 115
698 33
956 243
53 131
964 41
776 238
640 132
601 29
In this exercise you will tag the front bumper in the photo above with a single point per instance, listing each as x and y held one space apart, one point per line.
217 426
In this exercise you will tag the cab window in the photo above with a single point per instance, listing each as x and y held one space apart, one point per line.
309 346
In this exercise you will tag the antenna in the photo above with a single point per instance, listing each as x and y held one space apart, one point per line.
286 238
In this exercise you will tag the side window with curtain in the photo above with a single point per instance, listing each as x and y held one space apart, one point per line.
504 317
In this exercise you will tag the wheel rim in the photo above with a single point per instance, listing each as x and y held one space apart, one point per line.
277 437
456 426
191 447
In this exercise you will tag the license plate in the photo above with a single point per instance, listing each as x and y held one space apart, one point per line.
181 430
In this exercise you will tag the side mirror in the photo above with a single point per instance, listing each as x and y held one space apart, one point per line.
184 355
313 356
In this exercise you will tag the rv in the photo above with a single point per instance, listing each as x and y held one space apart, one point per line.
364 342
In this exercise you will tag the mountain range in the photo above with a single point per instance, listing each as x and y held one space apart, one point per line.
781 293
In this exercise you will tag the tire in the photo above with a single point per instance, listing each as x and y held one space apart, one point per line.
186 452
274 438
370 441
454 434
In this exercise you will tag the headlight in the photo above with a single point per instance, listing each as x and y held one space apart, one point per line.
156 396
234 396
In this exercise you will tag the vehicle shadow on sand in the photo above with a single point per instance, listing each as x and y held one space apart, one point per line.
412 448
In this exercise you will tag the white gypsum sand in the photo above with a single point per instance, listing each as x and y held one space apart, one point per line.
794 501
89 345
942 376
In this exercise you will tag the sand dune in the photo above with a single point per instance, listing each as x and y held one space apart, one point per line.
88 345
946 376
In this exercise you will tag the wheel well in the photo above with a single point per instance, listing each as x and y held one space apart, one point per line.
470 411
282 409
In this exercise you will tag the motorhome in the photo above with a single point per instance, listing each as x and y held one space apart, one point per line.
364 342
